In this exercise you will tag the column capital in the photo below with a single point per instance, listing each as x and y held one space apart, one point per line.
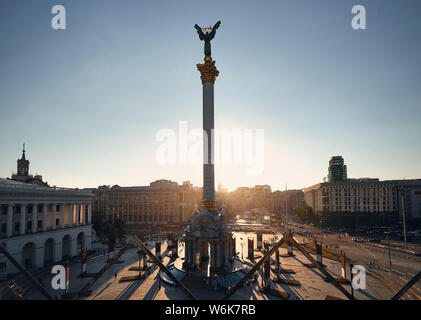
208 71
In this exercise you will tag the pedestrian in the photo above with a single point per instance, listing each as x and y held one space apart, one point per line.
115 275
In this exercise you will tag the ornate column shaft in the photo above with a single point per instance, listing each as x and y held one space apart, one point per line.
208 73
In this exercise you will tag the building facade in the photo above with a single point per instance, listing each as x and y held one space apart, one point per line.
161 202
368 196
287 201
42 225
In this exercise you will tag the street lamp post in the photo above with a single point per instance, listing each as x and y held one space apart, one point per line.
388 242
404 221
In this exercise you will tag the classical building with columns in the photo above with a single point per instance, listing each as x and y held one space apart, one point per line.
162 202
42 225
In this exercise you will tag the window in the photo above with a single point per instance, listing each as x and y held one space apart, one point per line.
3 267
4 228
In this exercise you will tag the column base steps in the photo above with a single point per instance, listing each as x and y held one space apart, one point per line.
139 269
286 255
275 293
289 282
132 278
282 270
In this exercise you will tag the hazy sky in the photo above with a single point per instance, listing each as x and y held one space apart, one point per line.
89 100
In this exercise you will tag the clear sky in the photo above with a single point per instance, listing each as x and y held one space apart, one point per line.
89 100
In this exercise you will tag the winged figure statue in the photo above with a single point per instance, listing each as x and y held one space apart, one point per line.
207 37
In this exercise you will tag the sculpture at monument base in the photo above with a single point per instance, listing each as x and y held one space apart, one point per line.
208 242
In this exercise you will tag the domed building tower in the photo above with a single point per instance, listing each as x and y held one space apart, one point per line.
23 165
22 174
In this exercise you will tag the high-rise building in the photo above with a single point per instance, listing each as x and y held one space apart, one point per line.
337 169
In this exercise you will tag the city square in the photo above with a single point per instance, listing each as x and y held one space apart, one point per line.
323 203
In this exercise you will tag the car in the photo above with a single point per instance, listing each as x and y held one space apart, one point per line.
357 239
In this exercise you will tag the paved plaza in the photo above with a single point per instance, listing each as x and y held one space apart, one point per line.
108 287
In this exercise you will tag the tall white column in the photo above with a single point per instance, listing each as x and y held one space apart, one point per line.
44 217
70 214
10 220
82 213
208 73
34 217
54 217
22 224
62 215
77 214
89 213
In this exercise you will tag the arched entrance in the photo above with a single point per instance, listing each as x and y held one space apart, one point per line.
49 251
80 242
66 251
28 255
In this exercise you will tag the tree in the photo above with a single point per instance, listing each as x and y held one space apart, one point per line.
306 214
